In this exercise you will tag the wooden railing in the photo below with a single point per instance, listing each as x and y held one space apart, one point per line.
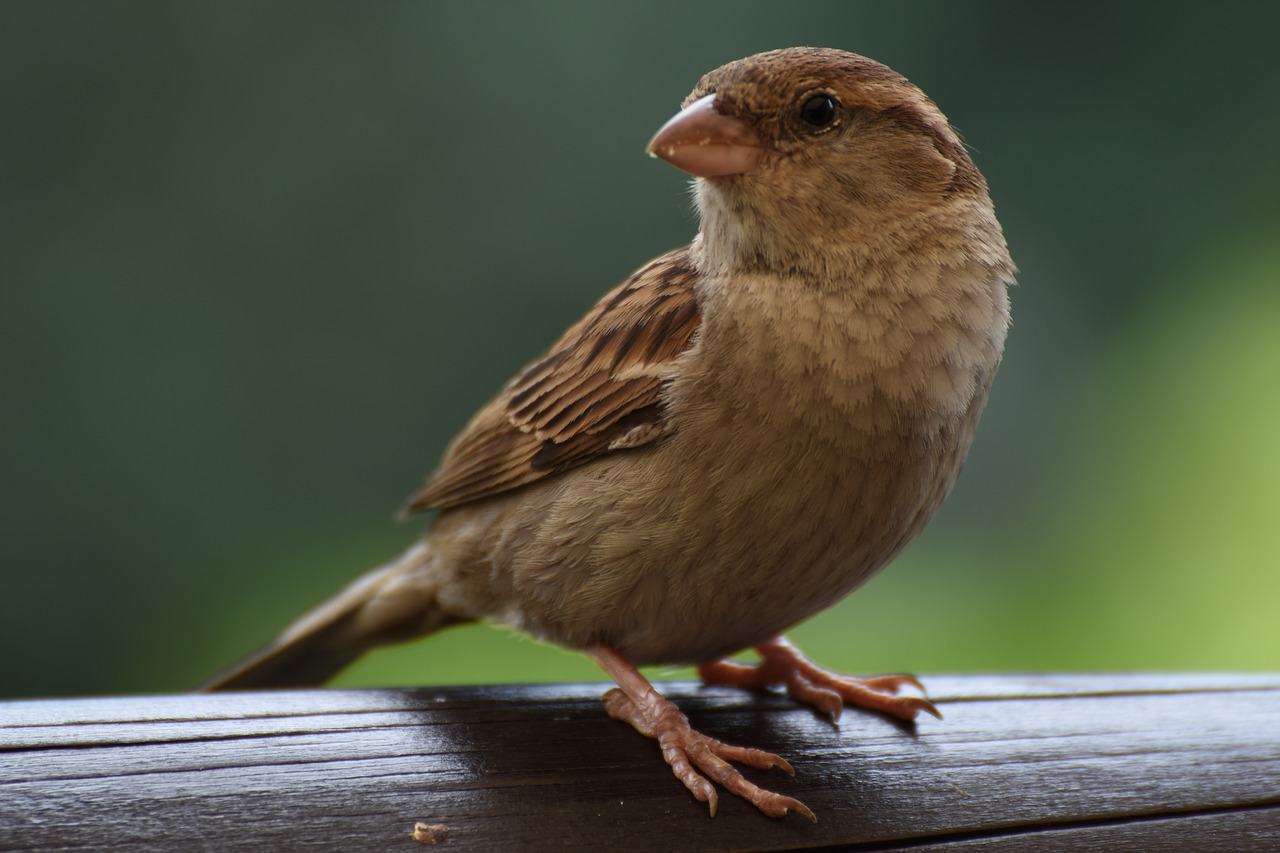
1037 762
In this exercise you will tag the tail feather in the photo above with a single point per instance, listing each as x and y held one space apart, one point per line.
301 663
393 603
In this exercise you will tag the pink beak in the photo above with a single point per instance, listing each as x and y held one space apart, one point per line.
705 143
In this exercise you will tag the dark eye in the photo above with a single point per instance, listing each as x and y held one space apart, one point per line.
819 110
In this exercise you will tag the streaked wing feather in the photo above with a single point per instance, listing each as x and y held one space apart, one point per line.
598 389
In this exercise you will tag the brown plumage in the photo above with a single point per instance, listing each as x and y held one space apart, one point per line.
598 389
740 434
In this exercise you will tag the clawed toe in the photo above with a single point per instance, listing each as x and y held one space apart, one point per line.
782 665
697 760
692 754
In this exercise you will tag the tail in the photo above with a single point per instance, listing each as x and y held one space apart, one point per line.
393 603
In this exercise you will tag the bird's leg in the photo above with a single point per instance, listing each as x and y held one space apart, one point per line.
690 753
782 665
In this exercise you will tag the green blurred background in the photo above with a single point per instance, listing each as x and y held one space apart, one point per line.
260 260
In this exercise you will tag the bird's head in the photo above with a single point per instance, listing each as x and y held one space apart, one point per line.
805 147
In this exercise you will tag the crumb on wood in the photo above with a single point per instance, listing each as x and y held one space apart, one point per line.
429 833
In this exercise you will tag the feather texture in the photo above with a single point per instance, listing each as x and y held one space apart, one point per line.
598 389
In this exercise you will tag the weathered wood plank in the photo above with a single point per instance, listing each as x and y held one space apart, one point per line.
1020 762
1224 832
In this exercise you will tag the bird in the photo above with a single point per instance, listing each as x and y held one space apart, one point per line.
734 438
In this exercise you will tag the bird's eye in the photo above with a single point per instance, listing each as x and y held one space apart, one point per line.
819 110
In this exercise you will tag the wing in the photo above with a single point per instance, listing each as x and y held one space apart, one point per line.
597 390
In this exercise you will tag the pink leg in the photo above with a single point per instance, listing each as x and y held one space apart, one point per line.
688 751
782 665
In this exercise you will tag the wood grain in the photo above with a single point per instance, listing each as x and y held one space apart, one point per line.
1052 762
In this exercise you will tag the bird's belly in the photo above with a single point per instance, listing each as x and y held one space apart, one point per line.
692 565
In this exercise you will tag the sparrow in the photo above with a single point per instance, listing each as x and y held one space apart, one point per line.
737 436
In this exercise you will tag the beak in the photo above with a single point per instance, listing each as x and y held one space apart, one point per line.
705 143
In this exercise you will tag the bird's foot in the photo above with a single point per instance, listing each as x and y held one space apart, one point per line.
692 756
782 665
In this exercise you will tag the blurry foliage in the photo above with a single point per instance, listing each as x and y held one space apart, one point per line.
259 261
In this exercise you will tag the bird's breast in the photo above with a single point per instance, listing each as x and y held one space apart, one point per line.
812 435
814 443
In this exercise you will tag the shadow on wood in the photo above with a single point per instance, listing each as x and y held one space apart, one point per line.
1143 762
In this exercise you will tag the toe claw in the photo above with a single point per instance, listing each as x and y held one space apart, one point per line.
782 665
688 752
892 683
801 809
